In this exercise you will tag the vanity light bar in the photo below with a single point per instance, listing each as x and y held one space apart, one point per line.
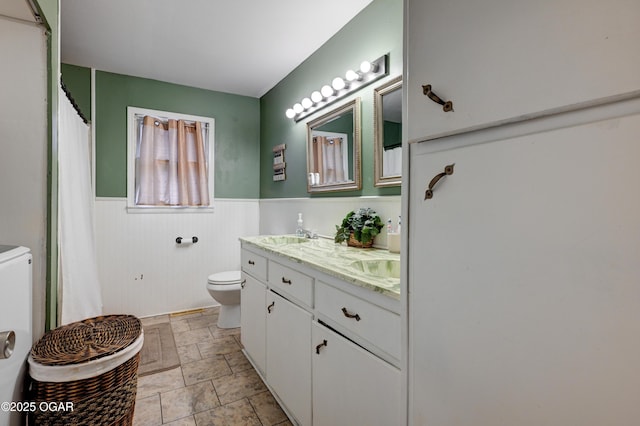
367 73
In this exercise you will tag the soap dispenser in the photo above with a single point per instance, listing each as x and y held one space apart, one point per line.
300 228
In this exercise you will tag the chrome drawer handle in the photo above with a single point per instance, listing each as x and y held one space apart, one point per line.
286 281
324 343
350 315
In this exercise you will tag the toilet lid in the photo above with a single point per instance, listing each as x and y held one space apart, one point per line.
227 277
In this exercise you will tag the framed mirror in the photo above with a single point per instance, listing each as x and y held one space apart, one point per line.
387 110
333 150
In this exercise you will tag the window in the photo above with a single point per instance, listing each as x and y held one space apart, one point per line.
169 161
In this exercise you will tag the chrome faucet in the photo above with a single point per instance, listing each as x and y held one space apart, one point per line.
308 233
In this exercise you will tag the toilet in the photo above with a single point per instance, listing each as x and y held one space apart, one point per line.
224 287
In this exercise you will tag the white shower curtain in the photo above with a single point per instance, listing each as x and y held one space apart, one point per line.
79 294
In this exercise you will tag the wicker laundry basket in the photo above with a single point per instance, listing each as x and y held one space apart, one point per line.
90 366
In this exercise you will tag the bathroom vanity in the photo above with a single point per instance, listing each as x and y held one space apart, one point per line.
321 325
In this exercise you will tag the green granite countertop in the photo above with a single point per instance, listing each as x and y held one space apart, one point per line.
373 268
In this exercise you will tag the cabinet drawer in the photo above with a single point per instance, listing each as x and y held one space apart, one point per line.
370 322
291 282
254 264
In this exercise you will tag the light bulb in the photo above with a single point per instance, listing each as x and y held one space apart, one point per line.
298 108
290 113
306 103
326 91
365 66
338 83
316 96
351 75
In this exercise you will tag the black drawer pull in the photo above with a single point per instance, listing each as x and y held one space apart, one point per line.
350 315
242 284
251 262
270 307
324 343
446 105
286 281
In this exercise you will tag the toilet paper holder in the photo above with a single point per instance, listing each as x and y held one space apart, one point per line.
193 240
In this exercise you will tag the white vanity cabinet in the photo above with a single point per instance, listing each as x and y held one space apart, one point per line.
504 60
524 294
291 309
351 386
253 298
288 355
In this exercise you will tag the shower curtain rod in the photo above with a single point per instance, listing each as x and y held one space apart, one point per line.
73 102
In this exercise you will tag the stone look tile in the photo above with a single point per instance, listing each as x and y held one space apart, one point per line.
237 361
188 353
221 346
205 369
179 316
192 336
179 327
213 310
238 385
267 409
202 321
159 319
223 332
224 376
235 413
183 402
159 382
147 411
185 421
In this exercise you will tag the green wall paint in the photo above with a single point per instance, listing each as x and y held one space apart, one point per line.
237 131
50 12
373 32
78 82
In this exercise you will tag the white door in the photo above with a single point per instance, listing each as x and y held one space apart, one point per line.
524 283
500 60
253 326
15 316
350 385
288 355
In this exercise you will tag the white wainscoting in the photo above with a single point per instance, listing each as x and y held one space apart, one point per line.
279 215
144 272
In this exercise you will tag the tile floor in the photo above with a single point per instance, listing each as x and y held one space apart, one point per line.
214 385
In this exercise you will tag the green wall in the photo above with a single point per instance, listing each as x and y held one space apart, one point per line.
78 82
237 131
50 11
375 31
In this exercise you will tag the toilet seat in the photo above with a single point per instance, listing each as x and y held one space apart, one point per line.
225 278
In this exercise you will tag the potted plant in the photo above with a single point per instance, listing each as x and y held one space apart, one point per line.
359 228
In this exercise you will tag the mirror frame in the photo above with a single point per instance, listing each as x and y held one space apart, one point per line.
378 138
355 184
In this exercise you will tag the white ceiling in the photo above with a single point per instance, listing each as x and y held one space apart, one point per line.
237 46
